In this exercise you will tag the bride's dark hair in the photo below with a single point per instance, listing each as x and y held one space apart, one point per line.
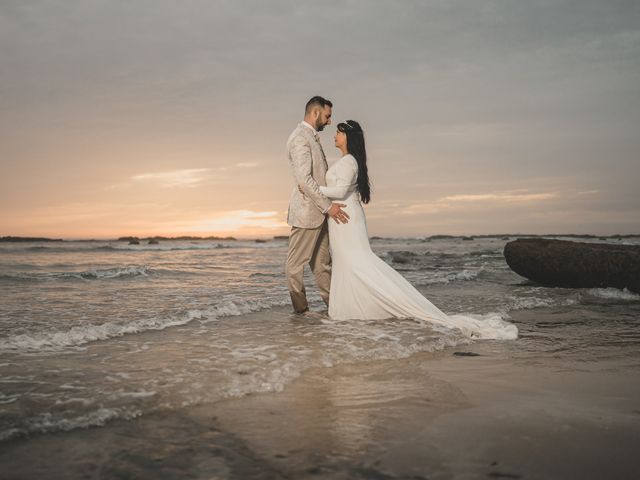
355 146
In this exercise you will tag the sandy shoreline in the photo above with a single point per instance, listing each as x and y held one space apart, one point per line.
434 416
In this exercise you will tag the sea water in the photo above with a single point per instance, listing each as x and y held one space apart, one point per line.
96 330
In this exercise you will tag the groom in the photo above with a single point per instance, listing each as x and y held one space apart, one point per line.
309 238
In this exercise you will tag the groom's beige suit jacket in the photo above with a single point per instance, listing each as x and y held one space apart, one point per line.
309 166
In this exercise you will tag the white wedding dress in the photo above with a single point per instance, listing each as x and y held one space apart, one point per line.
363 286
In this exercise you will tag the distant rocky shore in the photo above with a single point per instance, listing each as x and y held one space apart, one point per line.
184 237
154 239
30 239
121 239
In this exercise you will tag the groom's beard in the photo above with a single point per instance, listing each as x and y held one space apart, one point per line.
319 127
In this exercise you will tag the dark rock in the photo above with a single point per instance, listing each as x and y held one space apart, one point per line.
441 237
402 256
563 263
281 237
467 238
503 475
153 241
466 354
134 242
259 240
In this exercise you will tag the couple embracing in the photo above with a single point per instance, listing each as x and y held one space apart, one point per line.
353 281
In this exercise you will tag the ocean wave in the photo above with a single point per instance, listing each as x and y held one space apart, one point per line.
267 380
613 294
485 253
92 274
118 248
408 257
449 277
80 335
574 297
351 341
173 247
527 303
160 247
142 247
487 326
403 256
50 422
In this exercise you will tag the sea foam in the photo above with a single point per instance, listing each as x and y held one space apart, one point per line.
80 335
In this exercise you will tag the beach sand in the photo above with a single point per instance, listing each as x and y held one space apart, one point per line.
433 415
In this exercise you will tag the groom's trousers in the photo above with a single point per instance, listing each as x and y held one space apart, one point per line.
308 245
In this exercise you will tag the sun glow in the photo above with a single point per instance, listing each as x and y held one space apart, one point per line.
244 222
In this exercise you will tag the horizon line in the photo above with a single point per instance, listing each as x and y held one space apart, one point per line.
236 237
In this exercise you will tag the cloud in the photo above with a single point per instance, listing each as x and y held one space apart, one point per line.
472 100
423 208
498 197
451 202
176 178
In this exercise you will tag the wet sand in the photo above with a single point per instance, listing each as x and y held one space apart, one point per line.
436 416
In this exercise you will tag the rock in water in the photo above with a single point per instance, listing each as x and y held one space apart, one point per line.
402 256
561 263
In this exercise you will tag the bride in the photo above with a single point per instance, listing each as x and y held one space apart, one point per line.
363 286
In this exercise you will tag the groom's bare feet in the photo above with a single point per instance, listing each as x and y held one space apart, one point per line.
308 318
321 315
308 315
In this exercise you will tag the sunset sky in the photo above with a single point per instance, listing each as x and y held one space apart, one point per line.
162 117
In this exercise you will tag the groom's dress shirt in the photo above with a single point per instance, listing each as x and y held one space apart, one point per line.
315 132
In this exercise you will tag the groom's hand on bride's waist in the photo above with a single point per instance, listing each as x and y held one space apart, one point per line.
335 211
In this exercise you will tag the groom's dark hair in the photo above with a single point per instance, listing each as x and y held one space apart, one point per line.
316 101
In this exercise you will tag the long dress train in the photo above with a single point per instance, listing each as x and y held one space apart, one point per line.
363 286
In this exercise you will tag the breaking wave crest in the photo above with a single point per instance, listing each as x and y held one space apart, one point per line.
92 274
81 335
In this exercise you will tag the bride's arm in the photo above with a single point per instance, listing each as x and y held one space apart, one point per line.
346 175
